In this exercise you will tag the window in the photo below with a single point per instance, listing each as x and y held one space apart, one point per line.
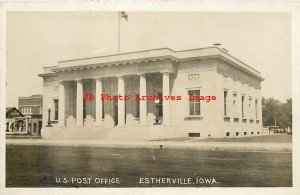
227 134
243 101
234 102
250 100
194 134
194 105
56 109
236 133
245 133
34 127
256 101
26 110
234 98
225 102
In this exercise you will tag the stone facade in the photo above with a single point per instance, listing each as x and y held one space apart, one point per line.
205 71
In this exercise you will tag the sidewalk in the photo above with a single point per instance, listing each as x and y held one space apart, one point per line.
212 146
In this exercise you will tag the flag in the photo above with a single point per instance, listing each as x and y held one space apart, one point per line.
124 15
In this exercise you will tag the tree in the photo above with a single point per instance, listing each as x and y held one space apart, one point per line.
270 108
285 114
276 113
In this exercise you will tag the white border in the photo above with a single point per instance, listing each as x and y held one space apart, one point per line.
160 5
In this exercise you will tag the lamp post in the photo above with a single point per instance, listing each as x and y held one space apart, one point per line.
49 121
156 101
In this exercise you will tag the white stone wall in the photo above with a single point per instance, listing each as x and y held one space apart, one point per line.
205 80
211 76
231 82
50 91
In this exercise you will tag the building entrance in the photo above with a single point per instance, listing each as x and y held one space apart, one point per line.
115 112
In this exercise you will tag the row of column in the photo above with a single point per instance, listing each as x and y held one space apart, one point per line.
121 103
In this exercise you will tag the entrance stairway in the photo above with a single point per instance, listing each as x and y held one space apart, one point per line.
111 133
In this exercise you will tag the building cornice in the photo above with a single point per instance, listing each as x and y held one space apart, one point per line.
150 56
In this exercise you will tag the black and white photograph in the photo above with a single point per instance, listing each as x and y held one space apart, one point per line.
139 99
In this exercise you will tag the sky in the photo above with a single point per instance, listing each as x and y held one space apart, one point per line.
40 39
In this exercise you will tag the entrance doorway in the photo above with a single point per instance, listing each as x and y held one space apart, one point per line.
115 112
158 109
40 128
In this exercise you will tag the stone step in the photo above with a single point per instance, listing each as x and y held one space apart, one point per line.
107 133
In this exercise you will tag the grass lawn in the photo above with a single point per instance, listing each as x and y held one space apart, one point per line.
40 166
264 138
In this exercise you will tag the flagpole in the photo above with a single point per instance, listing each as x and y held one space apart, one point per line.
119 21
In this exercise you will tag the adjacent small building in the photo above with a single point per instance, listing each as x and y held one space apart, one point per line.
32 106
211 71
12 113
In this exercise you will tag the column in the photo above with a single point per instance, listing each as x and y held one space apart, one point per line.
121 103
98 102
61 105
143 103
166 103
79 104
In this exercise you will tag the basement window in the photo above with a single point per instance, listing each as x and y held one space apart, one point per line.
236 120
194 134
226 119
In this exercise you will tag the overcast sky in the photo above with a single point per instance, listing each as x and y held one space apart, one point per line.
39 39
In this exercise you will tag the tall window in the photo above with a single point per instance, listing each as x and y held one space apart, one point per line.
56 109
225 102
243 100
195 103
256 101
234 103
250 107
